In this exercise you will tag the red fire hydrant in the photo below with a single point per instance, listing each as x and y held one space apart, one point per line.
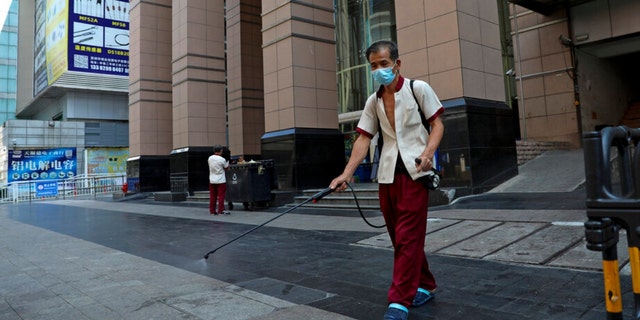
125 187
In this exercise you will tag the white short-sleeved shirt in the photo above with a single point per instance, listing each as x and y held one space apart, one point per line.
410 137
217 164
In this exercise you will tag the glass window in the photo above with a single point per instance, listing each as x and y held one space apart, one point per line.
358 24
12 19
11 85
13 52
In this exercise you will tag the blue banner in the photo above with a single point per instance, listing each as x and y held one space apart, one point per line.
42 164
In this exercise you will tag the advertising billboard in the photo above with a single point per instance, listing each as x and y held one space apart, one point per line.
40 64
56 39
42 164
99 36
107 160
80 35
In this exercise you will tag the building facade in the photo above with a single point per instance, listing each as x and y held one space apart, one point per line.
71 86
8 61
260 77
573 66
287 80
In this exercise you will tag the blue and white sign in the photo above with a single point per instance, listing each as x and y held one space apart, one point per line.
42 164
46 189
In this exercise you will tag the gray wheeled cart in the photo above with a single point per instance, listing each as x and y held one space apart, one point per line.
250 183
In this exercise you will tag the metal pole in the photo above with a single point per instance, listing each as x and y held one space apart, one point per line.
521 95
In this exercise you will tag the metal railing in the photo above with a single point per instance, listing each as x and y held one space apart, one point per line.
80 186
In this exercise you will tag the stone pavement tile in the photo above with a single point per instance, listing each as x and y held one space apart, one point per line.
436 224
492 240
55 313
98 311
9 315
219 304
78 300
5 308
301 312
32 306
581 257
356 308
284 290
540 247
124 300
455 233
378 241
514 215
159 310
19 284
441 233
44 278
513 293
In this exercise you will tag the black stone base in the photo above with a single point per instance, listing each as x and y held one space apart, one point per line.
478 150
148 173
304 158
189 169
169 196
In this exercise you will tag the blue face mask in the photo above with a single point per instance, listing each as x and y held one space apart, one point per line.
383 76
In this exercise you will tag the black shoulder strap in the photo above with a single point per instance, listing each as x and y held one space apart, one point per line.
422 117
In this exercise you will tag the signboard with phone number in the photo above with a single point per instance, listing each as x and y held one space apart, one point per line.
42 164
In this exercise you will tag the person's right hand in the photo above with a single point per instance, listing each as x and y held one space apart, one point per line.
340 183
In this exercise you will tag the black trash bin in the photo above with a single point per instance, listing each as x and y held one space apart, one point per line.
250 183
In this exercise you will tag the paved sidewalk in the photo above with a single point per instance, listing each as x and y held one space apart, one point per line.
48 275
500 255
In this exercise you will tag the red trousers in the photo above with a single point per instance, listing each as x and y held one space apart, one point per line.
404 205
217 192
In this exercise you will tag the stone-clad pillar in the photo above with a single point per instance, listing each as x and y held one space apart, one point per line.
199 90
301 117
245 94
150 78
150 129
198 73
455 46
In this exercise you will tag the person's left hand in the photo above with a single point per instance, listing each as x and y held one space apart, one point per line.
423 163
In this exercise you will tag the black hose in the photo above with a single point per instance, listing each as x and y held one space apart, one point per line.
360 210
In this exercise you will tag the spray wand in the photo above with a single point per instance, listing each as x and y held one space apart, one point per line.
315 198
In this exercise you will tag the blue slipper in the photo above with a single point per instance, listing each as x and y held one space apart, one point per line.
422 297
396 312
